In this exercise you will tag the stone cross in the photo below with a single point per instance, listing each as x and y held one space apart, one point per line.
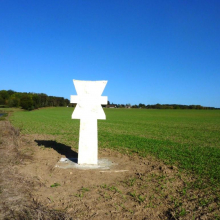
88 110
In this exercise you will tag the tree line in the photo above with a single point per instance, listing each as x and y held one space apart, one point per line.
160 106
30 101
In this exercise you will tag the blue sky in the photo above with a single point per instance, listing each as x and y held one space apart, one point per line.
150 51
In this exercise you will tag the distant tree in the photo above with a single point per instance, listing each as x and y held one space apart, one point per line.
141 105
199 107
36 101
61 101
134 106
67 102
121 106
43 99
4 97
13 101
31 101
11 92
158 106
26 102
2 101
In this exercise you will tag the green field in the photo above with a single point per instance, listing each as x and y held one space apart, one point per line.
187 138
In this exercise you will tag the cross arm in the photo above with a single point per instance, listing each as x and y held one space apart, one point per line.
103 100
74 99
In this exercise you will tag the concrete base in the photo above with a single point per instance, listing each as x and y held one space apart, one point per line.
65 163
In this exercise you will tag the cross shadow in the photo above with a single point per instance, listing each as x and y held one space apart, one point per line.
60 148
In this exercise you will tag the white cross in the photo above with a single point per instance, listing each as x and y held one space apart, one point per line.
88 110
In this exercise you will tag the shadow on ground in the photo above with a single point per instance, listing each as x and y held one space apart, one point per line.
60 148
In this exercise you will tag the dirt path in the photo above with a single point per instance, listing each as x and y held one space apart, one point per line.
136 188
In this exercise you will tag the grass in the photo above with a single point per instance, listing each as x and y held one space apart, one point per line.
188 138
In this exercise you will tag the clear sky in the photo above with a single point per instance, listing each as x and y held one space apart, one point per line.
150 51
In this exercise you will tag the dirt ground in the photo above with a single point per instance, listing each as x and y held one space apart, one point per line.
31 187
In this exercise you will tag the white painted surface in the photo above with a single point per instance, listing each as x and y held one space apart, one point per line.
88 141
88 110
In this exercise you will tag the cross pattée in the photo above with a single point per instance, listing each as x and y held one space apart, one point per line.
88 110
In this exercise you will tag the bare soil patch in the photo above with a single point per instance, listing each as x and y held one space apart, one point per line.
31 187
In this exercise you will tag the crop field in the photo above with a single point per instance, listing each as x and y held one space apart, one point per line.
188 138
172 158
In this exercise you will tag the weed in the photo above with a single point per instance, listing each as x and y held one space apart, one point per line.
141 198
150 205
114 189
217 217
182 212
80 195
104 186
203 202
124 197
177 203
184 191
122 205
117 206
131 181
55 185
131 211
107 196
83 190
111 188
133 194
151 197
